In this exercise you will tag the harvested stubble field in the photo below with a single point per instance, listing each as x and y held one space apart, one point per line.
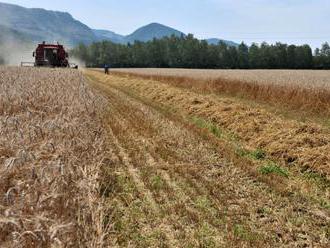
121 161
196 170
303 90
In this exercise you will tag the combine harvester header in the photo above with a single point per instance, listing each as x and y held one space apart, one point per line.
50 55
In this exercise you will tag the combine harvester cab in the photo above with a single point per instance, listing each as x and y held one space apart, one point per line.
50 55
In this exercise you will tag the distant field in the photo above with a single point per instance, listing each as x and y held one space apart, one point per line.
306 78
304 90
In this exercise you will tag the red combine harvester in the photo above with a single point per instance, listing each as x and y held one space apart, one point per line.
50 55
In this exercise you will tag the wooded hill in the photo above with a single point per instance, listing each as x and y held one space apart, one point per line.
189 52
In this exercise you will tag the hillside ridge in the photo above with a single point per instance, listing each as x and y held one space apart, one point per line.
38 24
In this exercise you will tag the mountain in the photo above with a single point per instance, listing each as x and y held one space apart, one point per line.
36 25
7 34
145 33
109 35
40 24
215 41
151 31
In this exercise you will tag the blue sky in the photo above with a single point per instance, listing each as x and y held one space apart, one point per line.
290 21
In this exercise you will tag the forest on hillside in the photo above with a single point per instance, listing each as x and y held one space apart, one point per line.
189 52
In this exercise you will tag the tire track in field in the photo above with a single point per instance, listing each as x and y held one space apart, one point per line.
146 136
192 191
193 188
138 142
134 174
120 121
135 170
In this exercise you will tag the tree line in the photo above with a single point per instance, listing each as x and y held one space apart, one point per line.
189 52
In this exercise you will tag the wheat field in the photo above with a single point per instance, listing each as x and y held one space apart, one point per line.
52 147
95 160
305 91
302 78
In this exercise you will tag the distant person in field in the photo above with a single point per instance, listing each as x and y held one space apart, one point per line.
106 69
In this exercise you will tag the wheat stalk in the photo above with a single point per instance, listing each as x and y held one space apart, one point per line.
50 159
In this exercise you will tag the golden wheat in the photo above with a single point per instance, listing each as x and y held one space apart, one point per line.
301 78
306 91
52 147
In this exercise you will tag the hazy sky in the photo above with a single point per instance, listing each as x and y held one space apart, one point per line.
290 21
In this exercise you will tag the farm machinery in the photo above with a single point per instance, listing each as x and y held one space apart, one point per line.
50 55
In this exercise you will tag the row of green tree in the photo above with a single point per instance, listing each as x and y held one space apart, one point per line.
189 52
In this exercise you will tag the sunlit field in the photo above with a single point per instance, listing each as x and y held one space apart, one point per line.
301 78
303 90
52 146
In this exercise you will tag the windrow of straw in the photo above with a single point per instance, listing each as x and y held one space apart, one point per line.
303 146
52 148
279 88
